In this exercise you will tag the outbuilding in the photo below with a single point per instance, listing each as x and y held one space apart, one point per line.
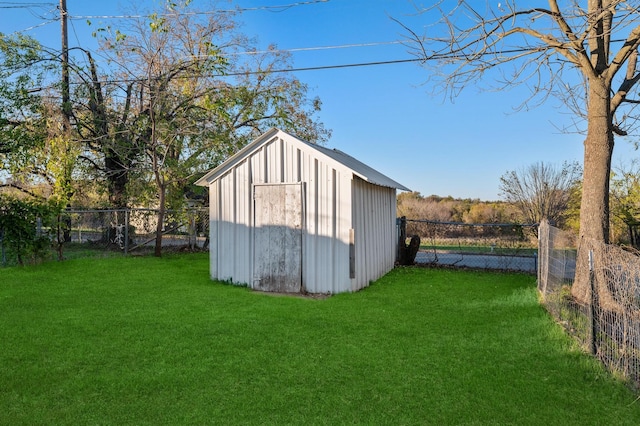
291 216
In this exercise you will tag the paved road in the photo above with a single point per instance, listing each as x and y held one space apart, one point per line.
560 267
483 261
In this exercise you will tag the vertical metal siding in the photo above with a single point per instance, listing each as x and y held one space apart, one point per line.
214 220
242 219
326 239
374 223
343 231
335 202
226 227
308 174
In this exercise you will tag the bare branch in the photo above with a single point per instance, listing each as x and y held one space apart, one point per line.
21 189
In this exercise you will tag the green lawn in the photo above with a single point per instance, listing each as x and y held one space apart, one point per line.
136 341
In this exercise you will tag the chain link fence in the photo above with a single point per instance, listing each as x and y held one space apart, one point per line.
608 324
130 230
504 247
86 233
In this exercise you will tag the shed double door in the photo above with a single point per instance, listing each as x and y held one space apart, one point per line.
277 237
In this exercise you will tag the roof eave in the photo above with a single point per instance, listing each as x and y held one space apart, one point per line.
211 175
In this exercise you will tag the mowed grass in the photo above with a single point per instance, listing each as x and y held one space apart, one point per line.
154 341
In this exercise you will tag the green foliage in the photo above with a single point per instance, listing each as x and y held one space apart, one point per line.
31 149
158 23
625 203
25 226
625 193
22 126
176 117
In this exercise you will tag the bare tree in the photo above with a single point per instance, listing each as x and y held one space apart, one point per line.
586 55
541 191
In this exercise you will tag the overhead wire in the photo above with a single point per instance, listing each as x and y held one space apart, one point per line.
309 49
262 72
434 57
323 67
274 8
70 17
33 27
22 5
47 8
302 49
281 7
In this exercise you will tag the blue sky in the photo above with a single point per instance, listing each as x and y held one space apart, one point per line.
386 115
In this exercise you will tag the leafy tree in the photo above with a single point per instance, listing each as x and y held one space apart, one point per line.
586 55
23 125
412 205
490 212
541 191
415 206
111 147
625 199
196 103
32 148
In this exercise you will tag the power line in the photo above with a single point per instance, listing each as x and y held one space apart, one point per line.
308 49
46 7
275 8
21 5
33 27
259 72
323 67
434 57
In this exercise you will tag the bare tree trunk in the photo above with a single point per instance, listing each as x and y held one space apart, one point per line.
594 209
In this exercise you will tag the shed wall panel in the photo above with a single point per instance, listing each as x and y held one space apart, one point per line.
214 215
309 247
374 224
226 228
242 219
326 240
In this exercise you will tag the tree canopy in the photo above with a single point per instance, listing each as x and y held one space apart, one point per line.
175 92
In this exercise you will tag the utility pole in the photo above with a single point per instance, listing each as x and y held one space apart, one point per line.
66 106
65 179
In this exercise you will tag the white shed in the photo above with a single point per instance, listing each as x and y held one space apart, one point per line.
291 216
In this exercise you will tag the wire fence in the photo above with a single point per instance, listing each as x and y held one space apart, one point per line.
608 324
129 230
505 247
84 233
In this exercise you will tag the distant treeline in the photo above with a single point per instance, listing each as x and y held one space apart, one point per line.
448 209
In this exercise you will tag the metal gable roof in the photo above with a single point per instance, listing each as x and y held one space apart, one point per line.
358 168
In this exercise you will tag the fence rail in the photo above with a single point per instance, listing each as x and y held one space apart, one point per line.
608 323
133 229
507 247
83 232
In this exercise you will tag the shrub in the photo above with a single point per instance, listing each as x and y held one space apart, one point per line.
25 226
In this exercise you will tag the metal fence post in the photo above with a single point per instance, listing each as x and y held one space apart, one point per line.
401 225
126 231
544 251
593 345
2 252
192 229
